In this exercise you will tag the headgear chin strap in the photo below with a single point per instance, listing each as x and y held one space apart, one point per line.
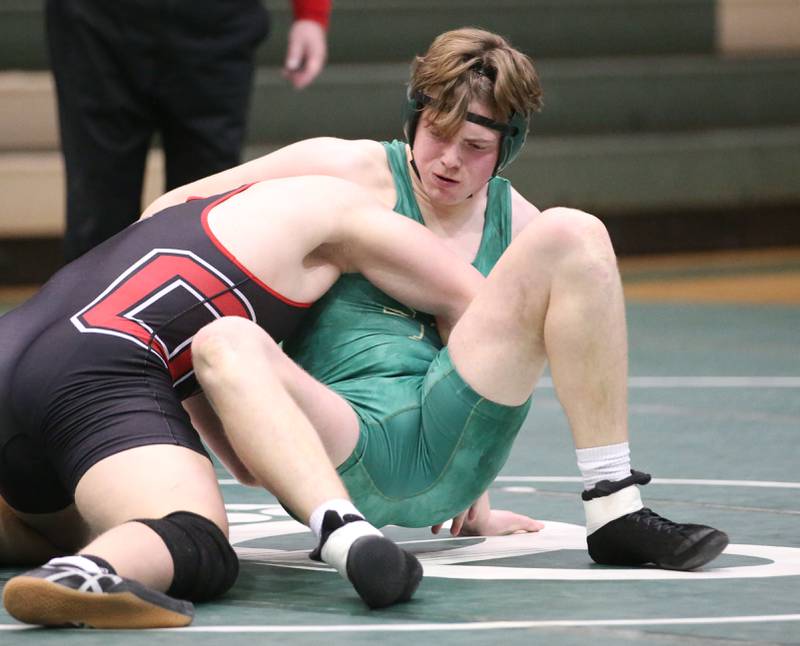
512 138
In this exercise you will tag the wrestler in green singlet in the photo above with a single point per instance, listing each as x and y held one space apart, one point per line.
429 446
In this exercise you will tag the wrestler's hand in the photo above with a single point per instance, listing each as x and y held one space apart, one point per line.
481 520
501 523
456 525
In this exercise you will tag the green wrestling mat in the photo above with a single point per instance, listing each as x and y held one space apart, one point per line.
715 416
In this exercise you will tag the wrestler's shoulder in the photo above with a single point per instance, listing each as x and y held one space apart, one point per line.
361 161
522 212
342 156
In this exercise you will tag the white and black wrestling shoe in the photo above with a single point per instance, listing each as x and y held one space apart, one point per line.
381 572
75 591
637 535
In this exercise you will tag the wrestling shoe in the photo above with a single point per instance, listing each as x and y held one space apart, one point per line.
381 572
645 537
61 593
637 535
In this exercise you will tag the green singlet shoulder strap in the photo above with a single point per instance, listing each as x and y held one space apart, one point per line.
497 219
406 203
496 226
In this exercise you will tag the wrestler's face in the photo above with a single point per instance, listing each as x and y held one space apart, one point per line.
451 170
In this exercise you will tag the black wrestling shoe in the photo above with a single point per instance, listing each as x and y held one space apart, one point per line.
645 537
381 572
67 595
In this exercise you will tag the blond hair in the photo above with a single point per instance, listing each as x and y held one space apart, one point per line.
471 64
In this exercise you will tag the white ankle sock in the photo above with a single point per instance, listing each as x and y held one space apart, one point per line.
339 505
610 462
76 561
603 510
338 545
335 550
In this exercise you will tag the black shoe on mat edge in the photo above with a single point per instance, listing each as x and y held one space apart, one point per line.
70 596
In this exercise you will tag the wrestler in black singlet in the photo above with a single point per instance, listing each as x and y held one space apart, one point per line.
99 360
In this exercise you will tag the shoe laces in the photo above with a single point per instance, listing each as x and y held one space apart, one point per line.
651 519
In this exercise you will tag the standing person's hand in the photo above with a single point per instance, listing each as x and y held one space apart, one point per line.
306 53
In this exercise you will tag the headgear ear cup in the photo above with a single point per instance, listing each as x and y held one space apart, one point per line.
511 141
412 108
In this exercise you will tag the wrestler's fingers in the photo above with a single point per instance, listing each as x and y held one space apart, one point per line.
525 524
458 523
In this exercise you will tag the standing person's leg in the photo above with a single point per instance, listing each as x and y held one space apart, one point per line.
104 120
160 525
258 394
205 88
556 296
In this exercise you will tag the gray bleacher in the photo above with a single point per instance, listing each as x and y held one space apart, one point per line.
674 144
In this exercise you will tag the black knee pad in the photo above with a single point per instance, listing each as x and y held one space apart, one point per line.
204 561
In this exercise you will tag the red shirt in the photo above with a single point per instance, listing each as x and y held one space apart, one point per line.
317 10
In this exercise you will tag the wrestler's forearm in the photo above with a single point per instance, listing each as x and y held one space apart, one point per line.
446 295
408 262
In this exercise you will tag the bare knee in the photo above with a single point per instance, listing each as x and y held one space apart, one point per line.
204 562
570 231
219 518
571 242
225 347
225 336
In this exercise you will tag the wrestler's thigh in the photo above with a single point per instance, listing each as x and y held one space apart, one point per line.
37 513
149 482
330 414
245 351
429 462
467 437
498 344
27 538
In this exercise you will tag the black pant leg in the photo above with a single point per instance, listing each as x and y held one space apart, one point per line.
205 90
98 59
